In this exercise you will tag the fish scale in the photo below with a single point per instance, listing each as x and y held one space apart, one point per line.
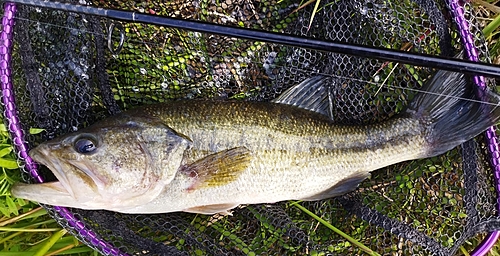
211 156
302 160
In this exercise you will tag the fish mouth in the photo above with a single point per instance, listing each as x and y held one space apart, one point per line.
88 176
42 156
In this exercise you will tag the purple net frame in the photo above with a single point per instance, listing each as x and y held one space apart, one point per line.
492 140
14 126
10 114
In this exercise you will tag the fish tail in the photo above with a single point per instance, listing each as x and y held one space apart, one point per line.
451 111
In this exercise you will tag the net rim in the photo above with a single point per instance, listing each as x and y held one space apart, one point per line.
17 134
471 52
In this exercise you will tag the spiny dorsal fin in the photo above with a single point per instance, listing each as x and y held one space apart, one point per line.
312 94
219 168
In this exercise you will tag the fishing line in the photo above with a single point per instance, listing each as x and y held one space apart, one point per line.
392 87
416 59
447 96
417 90
375 84
36 22
379 85
109 27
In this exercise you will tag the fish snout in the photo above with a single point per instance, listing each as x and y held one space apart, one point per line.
36 154
54 145
41 152
45 148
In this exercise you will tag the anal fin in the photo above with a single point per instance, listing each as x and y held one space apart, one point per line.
222 209
342 187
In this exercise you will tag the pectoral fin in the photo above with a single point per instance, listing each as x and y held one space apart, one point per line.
212 209
344 186
218 169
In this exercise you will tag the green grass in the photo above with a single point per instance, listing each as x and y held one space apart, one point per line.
25 228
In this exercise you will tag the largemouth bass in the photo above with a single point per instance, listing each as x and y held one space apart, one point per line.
210 156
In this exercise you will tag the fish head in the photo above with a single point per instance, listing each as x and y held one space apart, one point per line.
119 163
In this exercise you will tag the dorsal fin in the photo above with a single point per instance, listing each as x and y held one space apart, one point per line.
312 94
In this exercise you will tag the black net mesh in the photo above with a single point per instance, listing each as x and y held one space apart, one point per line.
71 70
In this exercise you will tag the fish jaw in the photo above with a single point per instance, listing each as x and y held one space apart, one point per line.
28 191
77 186
53 193
74 188
40 154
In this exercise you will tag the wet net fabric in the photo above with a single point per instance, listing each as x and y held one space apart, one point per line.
71 70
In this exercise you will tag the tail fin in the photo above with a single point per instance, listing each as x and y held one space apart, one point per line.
452 112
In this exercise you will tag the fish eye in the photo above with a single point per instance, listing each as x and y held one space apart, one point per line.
85 145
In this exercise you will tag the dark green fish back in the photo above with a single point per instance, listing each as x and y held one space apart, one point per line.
311 127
